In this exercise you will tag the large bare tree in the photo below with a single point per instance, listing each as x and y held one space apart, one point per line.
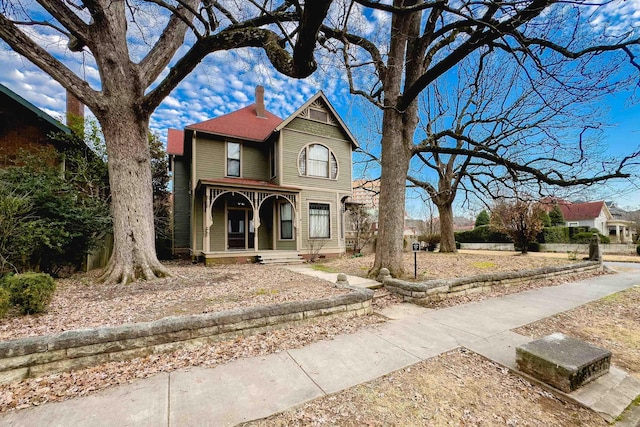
131 60
504 126
424 41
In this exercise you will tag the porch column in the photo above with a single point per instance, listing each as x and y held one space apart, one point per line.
208 222
256 225
618 234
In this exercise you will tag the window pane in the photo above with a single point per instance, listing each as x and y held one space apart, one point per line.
233 167
286 230
319 223
318 152
319 161
285 211
302 162
334 167
233 150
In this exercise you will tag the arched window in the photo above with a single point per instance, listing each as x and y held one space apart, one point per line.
319 161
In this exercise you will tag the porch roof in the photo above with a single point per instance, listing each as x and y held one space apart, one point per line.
245 183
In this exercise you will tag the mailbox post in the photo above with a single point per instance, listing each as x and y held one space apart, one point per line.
415 247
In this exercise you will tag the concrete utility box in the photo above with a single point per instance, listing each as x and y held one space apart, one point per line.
564 362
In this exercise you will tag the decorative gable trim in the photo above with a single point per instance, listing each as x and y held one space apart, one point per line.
319 102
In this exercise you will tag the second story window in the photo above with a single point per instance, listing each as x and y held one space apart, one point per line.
318 161
233 159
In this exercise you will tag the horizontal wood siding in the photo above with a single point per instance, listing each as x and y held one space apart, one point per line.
197 218
210 158
293 144
181 203
307 197
286 245
255 161
218 228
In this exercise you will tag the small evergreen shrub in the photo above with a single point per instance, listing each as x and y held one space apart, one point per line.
31 291
638 249
5 301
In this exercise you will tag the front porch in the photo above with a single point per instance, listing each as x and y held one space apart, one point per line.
239 219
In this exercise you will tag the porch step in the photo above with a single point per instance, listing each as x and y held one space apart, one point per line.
280 258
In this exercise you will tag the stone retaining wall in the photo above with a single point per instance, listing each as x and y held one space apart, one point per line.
42 355
436 290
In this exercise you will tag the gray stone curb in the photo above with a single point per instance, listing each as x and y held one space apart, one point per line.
41 355
433 290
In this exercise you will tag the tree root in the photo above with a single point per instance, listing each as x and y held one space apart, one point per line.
123 273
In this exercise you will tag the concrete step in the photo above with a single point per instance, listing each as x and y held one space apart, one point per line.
280 258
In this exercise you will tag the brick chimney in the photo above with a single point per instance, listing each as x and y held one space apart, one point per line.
75 113
260 111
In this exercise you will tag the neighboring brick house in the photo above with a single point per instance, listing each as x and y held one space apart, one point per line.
23 126
596 215
248 183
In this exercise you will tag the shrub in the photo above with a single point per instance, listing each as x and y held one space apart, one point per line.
5 301
31 291
638 249
585 237
458 245
482 234
555 235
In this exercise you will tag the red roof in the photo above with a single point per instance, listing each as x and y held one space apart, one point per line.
242 124
578 211
175 142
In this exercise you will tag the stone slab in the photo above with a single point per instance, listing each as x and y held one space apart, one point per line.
142 403
245 390
349 360
562 361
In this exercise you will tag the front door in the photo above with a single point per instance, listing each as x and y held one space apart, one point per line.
240 232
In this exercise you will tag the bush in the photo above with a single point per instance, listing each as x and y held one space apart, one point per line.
31 291
458 245
555 235
5 301
482 234
585 237
638 249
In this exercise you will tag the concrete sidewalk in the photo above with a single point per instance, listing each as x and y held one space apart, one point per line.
255 388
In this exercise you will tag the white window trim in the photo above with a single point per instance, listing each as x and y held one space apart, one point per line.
331 153
293 231
226 159
321 202
573 224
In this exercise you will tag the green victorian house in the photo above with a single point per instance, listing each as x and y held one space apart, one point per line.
250 186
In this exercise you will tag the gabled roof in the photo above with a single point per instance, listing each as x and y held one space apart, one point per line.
241 124
175 142
333 111
581 211
35 110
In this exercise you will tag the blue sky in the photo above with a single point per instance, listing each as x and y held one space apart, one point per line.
225 82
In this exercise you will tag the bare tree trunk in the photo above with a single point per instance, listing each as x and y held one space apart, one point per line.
447 237
134 255
394 166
